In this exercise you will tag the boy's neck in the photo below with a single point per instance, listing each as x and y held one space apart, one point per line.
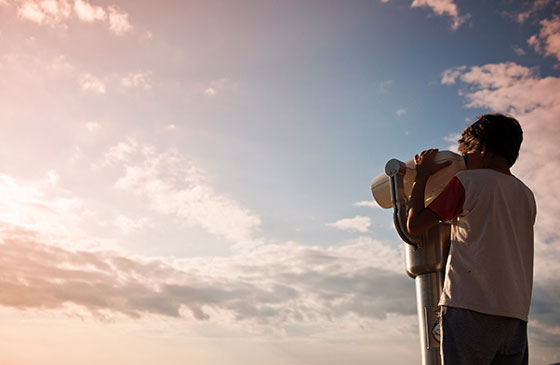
496 163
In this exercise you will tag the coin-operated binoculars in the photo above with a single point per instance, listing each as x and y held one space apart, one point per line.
425 254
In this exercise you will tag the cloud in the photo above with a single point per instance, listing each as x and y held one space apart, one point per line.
139 80
443 7
400 112
32 11
548 39
128 225
210 91
47 263
93 126
523 16
452 138
449 76
53 177
385 85
518 51
493 77
57 12
51 12
276 285
131 80
366 203
118 21
22 71
355 224
218 85
38 206
174 185
92 83
89 13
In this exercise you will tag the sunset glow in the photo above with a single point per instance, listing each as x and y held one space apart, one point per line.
187 182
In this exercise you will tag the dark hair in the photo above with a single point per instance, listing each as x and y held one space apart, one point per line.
498 133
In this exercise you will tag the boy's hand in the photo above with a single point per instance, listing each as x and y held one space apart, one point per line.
425 164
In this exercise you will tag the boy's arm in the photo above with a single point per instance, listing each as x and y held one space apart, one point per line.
420 219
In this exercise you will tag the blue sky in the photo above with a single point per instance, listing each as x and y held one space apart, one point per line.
181 174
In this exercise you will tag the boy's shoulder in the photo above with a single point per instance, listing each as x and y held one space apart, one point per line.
487 175
486 179
484 176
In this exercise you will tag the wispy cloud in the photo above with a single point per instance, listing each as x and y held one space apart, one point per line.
138 79
535 6
50 12
128 225
35 206
366 203
174 185
276 285
452 138
385 85
118 21
89 13
401 112
450 75
500 76
547 41
53 177
218 85
210 91
356 224
519 51
93 84
443 8
273 285
93 126
59 12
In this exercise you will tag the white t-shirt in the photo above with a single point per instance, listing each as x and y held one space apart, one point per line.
490 263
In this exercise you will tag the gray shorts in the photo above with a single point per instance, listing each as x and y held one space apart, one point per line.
469 337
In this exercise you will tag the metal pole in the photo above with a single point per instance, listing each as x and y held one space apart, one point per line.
425 256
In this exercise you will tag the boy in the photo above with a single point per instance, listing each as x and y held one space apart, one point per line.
489 273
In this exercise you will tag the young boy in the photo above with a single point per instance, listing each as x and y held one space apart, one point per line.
489 273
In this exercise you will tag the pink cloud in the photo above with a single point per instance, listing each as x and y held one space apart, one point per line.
87 12
57 12
136 80
91 83
547 41
443 8
276 285
523 16
51 12
118 21
535 101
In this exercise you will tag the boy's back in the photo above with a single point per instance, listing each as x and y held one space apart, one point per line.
490 264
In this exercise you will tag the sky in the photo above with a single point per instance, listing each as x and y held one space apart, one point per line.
187 182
